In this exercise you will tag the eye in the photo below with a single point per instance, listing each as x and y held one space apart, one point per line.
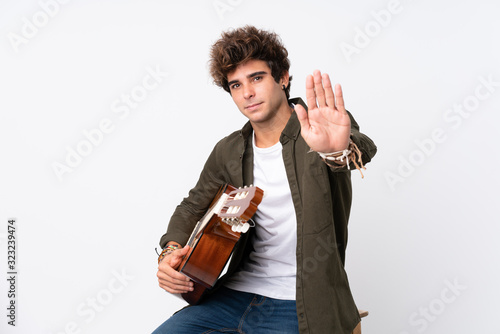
234 86
257 78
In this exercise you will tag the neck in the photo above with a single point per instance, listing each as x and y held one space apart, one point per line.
268 134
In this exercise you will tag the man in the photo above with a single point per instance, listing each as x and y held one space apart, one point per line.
287 273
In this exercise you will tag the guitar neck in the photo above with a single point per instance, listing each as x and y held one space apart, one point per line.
214 209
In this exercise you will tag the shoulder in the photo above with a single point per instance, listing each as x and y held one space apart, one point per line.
231 146
237 137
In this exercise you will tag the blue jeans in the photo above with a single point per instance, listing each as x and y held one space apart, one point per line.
230 311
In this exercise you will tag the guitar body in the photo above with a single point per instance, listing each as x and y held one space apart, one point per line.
208 258
215 237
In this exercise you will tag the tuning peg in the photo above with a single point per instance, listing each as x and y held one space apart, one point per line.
245 227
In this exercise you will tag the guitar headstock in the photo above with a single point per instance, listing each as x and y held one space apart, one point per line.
239 207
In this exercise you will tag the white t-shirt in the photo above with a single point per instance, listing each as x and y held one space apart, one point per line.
271 267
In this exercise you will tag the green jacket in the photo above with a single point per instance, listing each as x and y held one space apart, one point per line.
322 199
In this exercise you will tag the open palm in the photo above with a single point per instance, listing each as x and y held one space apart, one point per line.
326 126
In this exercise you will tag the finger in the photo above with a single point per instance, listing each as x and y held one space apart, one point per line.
172 275
176 257
181 252
302 117
329 96
319 90
173 288
175 284
310 94
173 281
339 99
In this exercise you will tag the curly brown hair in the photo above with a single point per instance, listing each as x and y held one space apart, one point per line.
235 47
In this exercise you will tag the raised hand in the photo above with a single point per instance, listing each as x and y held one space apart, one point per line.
326 127
169 278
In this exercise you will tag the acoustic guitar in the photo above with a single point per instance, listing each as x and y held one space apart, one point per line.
215 236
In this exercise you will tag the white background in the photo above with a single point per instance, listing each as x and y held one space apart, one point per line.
424 217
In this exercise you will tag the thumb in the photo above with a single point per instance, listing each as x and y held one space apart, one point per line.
302 117
178 255
184 250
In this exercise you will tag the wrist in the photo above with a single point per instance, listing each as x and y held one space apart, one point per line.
339 158
167 250
344 158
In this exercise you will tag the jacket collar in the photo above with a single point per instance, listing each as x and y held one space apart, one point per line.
292 128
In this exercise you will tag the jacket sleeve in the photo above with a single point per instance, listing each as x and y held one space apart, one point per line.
194 206
365 145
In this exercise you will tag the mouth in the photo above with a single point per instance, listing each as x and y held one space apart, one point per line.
253 106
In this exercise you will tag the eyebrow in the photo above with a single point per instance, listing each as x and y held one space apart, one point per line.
251 75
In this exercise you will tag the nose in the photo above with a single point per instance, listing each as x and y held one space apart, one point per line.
248 91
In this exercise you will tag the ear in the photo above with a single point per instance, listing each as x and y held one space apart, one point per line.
285 79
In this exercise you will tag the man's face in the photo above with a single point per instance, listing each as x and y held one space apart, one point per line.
255 92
